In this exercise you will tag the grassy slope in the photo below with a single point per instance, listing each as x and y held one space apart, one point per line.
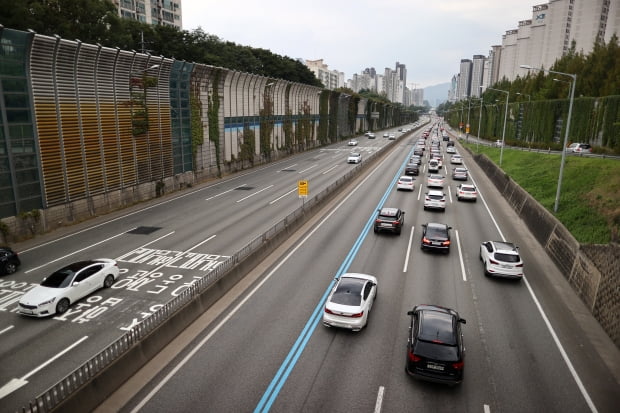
589 203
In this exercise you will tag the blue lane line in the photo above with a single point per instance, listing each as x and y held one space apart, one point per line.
265 403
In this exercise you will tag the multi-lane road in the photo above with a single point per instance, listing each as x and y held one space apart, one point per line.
531 345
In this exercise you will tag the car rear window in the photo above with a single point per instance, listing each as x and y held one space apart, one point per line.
436 351
349 292
435 196
507 257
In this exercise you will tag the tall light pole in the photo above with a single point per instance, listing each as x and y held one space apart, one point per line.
529 98
570 112
501 151
479 124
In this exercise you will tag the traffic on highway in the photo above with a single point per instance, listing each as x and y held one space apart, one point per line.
386 301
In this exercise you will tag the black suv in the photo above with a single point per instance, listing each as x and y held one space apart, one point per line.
436 236
435 349
9 261
390 219
412 169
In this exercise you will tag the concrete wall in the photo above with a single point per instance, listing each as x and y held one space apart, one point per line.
593 271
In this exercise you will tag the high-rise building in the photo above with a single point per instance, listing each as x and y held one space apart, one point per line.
477 74
331 79
155 12
463 87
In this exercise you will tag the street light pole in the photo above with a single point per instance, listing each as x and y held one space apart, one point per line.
566 132
501 151
479 124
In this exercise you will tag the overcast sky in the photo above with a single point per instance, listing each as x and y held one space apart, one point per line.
429 36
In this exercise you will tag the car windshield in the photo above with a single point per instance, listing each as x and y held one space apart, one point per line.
60 279
507 257
349 292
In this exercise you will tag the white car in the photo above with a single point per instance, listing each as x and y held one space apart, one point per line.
435 200
435 181
450 149
66 286
498 143
456 159
466 192
405 183
392 136
433 165
352 142
501 259
350 301
354 157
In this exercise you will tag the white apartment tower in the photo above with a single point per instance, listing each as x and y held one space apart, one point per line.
155 12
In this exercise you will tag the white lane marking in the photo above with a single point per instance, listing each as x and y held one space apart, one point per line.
251 195
487 408
225 192
556 340
15 384
419 191
180 254
280 197
80 250
379 402
330 169
458 244
6 329
307 169
234 311
288 167
408 250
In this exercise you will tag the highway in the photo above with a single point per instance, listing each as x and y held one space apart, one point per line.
528 343
267 350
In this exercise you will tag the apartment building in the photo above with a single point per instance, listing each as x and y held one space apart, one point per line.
155 12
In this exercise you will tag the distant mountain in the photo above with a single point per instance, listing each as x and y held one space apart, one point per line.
436 94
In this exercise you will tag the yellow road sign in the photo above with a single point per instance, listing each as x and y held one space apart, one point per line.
302 188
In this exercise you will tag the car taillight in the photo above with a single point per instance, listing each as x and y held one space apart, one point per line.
357 315
445 243
413 358
493 262
458 365
328 311
426 240
378 221
519 265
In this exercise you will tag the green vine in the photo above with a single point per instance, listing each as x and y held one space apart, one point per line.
213 118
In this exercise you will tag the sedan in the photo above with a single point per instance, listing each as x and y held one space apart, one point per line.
352 142
405 183
501 259
466 192
68 285
435 181
350 301
459 174
436 236
450 149
412 169
435 349
9 261
354 157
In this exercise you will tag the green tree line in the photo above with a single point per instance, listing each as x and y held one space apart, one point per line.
97 21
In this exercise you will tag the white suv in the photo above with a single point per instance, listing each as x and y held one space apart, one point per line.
501 259
435 200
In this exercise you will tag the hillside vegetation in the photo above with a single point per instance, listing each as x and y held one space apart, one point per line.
589 203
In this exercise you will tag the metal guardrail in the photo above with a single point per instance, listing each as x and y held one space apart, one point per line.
60 391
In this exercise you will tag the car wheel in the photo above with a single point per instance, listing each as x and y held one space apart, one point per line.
398 231
376 230
109 280
62 306
10 268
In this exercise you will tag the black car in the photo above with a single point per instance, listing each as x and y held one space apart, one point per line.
418 151
450 143
435 349
436 236
390 219
9 261
412 169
